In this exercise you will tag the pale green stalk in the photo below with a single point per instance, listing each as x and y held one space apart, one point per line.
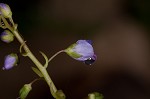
56 54
31 56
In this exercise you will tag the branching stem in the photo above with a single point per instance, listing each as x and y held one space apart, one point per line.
30 54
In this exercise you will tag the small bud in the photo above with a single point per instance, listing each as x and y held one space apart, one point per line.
24 91
7 36
11 60
60 95
82 50
95 95
5 10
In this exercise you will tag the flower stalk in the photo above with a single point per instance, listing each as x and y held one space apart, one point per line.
28 52
56 55
82 51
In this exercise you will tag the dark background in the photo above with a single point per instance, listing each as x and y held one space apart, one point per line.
119 30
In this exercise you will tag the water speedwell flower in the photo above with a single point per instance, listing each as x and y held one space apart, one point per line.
5 10
10 61
82 50
7 36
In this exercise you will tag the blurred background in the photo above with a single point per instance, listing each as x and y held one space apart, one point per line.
119 29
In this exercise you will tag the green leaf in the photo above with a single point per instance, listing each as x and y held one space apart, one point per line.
37 71
20 49
46 59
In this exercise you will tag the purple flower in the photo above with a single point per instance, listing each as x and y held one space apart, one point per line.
10 61
5 10
7 36
82 50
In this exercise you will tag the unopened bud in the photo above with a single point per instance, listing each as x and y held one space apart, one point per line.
24 91
7 36
82 50
11 60
95 95
5 10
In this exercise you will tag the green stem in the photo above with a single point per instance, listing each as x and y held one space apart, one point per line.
56 55
31 56
43 71
35 80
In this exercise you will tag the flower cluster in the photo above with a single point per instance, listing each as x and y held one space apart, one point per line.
82 51
7 36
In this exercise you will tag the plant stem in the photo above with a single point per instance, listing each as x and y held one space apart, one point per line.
56 55
31 56
36 62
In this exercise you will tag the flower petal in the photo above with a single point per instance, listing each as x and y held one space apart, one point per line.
7 36
10 61
5 10
84 50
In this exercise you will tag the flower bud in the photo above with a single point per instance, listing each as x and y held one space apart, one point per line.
24 91
5 10
95 95
82 50
11 60
7 36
